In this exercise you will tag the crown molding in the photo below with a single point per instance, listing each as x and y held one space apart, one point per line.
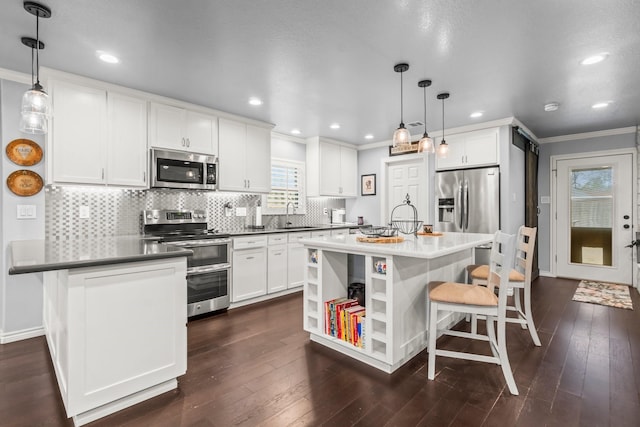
15 76
287 137
588 135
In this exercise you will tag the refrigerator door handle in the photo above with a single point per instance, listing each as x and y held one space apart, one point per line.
466 204
460 208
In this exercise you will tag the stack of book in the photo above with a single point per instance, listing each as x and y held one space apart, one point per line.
344 319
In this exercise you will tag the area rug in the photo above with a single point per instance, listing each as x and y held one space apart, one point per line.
604 294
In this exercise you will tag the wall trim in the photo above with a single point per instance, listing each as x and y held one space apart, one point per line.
290 138
15 76
545 273
24 334
588 135
508 121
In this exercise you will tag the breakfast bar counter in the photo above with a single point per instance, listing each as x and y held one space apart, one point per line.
395 278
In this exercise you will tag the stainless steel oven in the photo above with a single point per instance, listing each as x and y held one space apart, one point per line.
208 274
208 268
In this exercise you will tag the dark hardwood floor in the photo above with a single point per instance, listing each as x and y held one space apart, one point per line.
256 366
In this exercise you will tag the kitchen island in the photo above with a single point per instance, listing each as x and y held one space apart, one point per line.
395 278
114 316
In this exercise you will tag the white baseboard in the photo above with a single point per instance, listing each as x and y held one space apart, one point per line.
264 298
24 334
545 273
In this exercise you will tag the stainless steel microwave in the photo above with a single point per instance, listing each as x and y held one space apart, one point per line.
181 169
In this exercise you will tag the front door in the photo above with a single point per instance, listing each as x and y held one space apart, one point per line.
594 209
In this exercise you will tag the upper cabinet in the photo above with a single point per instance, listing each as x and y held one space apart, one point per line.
332 168
97 137
244 157
470 149
177 128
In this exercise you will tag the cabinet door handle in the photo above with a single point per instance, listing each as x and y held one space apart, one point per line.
182 142
144 176
188 142
102 173
250 257
248 183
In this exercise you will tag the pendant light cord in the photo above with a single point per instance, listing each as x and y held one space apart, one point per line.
32 70
425 108
443 141
401 100
37 50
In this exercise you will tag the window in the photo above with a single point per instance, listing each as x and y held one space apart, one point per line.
287 185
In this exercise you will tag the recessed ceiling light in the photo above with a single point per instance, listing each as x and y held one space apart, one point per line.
552 106
594 59
255 101
107 57
295 132
335 126
600 105
368 136
476 114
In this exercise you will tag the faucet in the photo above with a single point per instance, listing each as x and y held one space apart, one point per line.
293 210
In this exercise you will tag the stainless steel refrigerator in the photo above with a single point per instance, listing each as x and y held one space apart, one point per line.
468 200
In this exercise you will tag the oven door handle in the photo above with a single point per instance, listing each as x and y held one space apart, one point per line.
208 268
198 243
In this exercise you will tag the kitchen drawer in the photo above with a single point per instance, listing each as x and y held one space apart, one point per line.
294 237
249 242
278 239
340 232
321 233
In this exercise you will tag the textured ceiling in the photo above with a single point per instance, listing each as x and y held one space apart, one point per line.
318 62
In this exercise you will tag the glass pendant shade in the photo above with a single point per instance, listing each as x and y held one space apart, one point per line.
425 145
36 101
443 149
401 136
33 123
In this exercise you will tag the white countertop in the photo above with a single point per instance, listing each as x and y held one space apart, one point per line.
426 247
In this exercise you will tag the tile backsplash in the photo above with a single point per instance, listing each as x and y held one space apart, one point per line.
117 212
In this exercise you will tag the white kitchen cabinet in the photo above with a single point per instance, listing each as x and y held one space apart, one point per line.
470 149
78 138
277 268
296 259
177 128
340 232
126 140
245 157
332 168
97 137
249 268
116 334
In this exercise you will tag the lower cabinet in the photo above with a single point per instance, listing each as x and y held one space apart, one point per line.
249 279
296 258
277 268
116 334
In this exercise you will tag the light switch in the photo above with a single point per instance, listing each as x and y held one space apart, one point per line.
84 212
241 211
26 212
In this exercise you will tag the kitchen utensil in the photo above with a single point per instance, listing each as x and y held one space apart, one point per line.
378 231
394 239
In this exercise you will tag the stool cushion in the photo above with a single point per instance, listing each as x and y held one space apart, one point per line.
459 293
481 272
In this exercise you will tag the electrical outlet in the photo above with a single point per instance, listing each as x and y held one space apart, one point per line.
325 211
228 211
241 211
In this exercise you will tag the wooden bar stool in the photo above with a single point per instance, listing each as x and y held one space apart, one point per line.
475 300
519 279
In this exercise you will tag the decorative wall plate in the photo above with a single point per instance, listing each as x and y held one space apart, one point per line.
24 183
24 152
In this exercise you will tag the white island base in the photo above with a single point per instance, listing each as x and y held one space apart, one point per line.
396 302
116 333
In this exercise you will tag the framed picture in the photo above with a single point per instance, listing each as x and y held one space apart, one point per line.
368 185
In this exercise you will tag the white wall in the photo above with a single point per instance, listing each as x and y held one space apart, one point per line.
288 148
512 180
544 182
368 207
21 295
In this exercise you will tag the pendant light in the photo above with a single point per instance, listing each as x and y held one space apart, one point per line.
425 145
36 105
401 136
443 148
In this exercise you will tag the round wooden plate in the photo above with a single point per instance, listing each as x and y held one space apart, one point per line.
24 152
24 183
